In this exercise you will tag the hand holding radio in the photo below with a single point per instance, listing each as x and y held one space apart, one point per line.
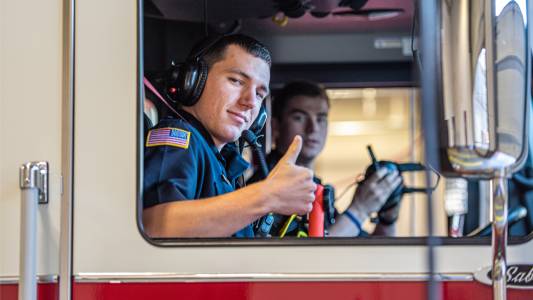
372 193
291 186
389 216
383 188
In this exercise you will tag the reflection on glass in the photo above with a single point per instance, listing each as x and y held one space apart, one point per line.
484 84
480 109
499 5
510 71
484 68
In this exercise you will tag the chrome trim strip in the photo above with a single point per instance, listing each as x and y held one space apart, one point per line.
412 156
253 277
67 150
40 279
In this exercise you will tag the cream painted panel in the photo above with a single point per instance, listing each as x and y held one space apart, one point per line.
106 239
30 122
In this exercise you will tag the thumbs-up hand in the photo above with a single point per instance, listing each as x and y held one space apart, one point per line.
293 152
291 187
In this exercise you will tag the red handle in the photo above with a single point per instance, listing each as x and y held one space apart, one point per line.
316 217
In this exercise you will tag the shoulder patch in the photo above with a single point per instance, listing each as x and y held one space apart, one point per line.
168 136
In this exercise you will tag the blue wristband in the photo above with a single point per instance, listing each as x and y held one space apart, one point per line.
354 220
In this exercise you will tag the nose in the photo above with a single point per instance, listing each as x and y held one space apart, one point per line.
247 98
312 125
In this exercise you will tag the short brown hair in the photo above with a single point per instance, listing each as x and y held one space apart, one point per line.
293 89
215 48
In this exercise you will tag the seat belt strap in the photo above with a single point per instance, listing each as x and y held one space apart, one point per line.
149 85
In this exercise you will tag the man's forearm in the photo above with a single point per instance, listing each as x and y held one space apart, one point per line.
219 216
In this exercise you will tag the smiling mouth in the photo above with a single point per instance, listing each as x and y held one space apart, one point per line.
239 116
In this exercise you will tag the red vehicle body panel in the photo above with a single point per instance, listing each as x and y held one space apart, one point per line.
267 290
45 291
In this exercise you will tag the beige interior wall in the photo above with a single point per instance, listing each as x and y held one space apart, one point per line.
381 117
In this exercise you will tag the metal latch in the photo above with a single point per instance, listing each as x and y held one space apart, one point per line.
35 175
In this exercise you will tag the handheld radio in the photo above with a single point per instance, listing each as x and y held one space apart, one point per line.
396 196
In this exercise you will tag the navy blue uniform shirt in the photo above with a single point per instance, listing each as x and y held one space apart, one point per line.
181 162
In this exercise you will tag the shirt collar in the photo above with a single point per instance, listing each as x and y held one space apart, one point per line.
236 165
229 156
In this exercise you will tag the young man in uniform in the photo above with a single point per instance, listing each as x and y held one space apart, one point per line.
301 108
189 183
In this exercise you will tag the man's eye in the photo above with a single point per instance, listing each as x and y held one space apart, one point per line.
322 120
235 81
298 118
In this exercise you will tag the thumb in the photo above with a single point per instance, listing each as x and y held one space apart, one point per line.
294 150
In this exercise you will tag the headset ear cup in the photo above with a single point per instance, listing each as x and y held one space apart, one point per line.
191 81
200 81
186 83
187 86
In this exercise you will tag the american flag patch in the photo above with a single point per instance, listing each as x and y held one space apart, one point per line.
168 137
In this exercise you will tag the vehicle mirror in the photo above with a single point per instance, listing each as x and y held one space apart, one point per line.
485 75
485 91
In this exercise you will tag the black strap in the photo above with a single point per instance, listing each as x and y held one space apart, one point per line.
149 85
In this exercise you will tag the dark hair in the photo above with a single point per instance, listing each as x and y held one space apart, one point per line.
293 89
215 48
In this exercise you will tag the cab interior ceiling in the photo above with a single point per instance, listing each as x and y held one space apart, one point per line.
348 42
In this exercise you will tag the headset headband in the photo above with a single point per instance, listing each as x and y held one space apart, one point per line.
204 46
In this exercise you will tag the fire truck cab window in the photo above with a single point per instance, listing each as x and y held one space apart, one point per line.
342 77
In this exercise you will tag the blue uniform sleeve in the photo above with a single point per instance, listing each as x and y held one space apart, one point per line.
171 172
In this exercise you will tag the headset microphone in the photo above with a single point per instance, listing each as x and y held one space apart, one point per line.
252 140
265 223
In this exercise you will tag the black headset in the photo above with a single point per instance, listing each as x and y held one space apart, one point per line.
185 82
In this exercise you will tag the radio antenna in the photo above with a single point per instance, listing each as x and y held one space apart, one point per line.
372 156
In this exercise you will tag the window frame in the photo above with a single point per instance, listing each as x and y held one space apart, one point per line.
396 80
